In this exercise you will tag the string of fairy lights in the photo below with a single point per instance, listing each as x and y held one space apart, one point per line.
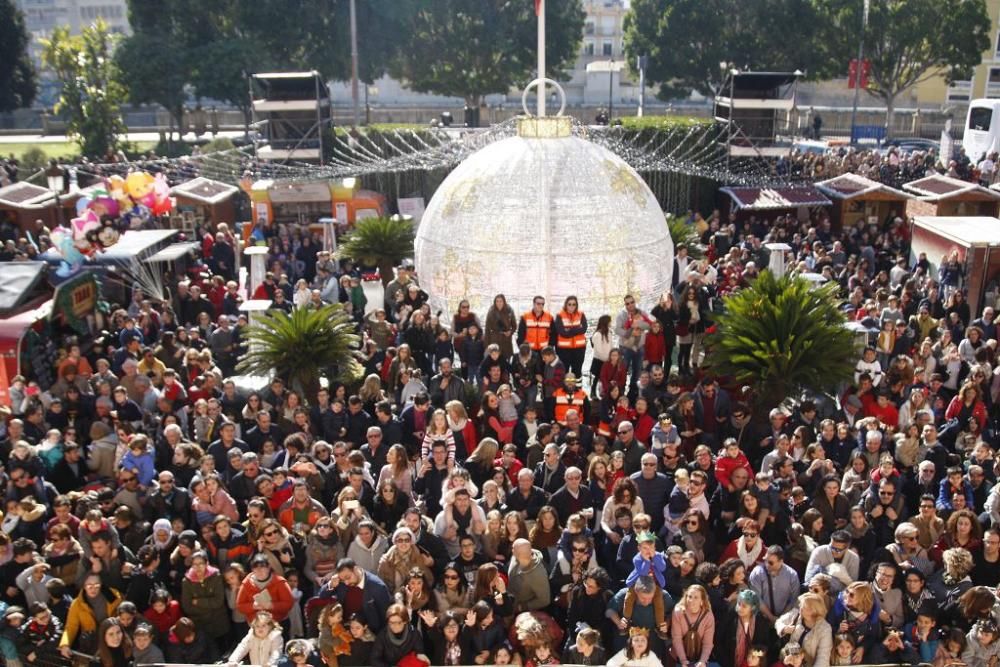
696 150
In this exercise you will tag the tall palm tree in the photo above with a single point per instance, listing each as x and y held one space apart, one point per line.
301 346
380 242
782 336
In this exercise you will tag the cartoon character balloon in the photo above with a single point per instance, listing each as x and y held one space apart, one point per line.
122 204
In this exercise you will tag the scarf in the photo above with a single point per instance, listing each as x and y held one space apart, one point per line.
192 575
748 558
744 640
160 525
400 639
951 580
857 533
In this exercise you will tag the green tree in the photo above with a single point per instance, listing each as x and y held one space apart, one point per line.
92 92
685 236
908 41
381 242
18 84
471 48
687 40
782 336
156 71
300 347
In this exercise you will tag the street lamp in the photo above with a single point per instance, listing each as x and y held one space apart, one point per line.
54 178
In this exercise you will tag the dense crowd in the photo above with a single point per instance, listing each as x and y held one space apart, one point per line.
509 488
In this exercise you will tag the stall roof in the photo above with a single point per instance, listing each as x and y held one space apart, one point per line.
173 252
938 187
849 186
24 195
969 230
205 190
757 199
18 283
136 244
13 327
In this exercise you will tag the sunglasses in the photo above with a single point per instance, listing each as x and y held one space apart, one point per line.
749 534
270 533
451 577
579 550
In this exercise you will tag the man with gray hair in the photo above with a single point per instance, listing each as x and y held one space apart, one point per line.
528 581
550 472
654 488
573 497
525 499
641 616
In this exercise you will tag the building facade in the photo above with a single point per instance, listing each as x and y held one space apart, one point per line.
985 81
41 17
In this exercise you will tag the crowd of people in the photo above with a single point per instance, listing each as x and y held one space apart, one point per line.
535 488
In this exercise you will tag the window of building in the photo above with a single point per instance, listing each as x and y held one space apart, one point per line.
607 48
588 48
588 28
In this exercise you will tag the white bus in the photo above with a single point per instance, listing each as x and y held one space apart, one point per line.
982 128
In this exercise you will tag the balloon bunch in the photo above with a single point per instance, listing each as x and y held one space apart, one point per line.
106 213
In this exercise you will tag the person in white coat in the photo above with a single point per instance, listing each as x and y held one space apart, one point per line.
262 645
636 653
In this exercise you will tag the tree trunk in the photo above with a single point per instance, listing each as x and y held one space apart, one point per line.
386 272
890 104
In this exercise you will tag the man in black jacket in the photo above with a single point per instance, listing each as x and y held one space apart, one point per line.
168 501
70 473
526 498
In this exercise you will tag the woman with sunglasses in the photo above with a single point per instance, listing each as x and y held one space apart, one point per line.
695 536
454 593
282 549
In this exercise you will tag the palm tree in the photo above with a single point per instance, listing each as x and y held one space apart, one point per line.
380 242
299 347
685 235
781 336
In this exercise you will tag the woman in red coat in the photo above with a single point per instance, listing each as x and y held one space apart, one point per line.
613 372
966 405
263 590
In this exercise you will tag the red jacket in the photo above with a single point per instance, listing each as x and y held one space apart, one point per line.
277 588
978 411
724 467
611 374
656 348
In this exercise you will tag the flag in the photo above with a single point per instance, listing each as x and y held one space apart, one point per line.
538 7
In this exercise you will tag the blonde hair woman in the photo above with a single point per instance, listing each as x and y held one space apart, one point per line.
807 626
692 627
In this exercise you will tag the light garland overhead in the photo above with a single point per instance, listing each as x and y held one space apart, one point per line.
697 150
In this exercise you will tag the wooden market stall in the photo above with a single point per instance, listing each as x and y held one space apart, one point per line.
200 201
975 239
946 196
306 202
858 198
769 203
25 203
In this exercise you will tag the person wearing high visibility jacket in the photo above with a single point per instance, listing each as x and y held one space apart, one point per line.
535 327
570 397
571 336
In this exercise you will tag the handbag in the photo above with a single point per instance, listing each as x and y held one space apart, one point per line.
692 640
411 659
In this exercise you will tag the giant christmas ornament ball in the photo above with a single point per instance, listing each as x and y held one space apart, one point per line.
543 213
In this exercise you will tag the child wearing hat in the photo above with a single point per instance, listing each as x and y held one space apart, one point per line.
647 563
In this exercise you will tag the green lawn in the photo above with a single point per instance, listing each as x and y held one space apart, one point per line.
60 149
